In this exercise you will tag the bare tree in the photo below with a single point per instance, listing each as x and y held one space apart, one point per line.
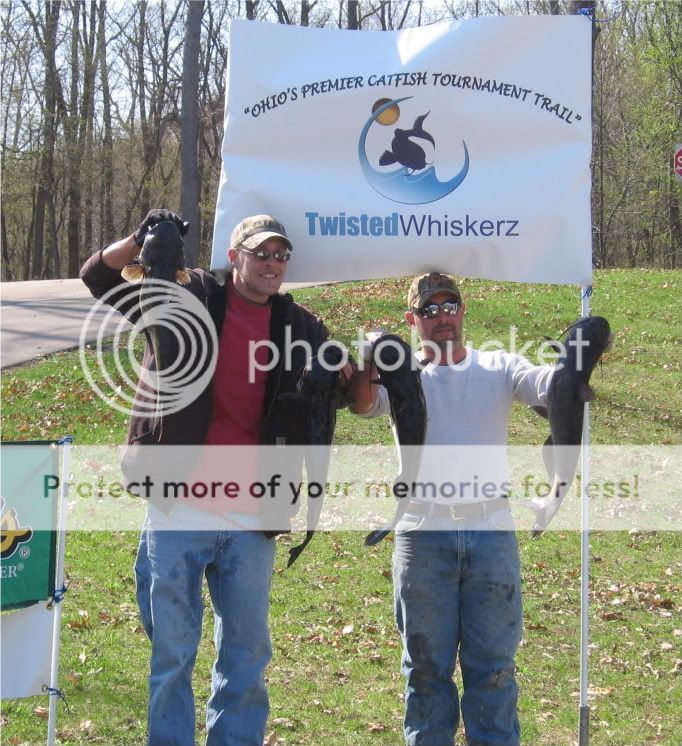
46 34
107 155
189 183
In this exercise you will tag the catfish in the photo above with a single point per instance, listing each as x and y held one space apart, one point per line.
569 389
320 389
162 258
406 152
394 361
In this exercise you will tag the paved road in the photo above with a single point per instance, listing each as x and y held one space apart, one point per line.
41 317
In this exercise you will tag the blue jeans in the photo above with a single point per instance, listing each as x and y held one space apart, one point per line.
169 570
458 591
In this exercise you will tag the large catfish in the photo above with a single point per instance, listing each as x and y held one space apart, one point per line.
569 389
162 258
320 389
398 374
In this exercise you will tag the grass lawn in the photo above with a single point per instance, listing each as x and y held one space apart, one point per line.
334 677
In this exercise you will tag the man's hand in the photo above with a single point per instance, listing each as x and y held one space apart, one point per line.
366 347
158 216
363 395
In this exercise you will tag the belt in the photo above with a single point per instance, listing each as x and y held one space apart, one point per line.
465 510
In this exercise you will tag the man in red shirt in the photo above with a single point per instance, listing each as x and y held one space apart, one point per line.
247 403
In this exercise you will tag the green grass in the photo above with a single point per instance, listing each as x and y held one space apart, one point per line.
335 675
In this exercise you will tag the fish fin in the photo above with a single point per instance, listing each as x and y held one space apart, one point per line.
133 272
585 392
548 457
387 158
374 537
295 552
553 345
182 276
419 131
542 411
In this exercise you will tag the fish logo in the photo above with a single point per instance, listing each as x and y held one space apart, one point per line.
415 183
404 150
11 533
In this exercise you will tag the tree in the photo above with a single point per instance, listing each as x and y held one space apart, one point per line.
189 183
46 35
106 232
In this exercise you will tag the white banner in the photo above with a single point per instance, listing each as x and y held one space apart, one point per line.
461 147
26 651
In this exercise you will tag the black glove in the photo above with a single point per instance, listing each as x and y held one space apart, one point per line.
158 216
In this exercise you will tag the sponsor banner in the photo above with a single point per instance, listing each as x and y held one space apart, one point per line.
28 515
248 487
26 651
462 147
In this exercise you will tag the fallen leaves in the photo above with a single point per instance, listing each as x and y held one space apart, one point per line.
376 728
83 621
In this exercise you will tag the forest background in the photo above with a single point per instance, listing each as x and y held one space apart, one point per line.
112 108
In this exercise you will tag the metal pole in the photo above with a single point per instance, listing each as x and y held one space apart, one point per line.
588 7
584 731
59 583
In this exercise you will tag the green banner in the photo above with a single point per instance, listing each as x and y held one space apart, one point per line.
28 550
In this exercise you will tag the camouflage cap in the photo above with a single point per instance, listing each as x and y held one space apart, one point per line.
424 287
252 231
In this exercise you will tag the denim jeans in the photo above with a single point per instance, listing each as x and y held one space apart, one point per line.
458 592
169 570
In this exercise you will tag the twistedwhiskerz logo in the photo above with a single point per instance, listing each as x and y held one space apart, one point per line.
397 224
11 533
400 163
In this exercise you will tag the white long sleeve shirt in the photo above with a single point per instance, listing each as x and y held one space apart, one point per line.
468 408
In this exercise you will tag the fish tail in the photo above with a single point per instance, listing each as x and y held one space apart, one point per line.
387 158
374 537
419 131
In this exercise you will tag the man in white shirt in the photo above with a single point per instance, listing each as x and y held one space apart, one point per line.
456 569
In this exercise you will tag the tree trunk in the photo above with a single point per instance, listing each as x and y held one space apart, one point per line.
73 152
353 22
107 217
142 202
47 37
87 131
189 134
675 224
6 264
54 250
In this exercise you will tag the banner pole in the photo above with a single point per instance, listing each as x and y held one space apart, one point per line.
587 8
59 584
584 729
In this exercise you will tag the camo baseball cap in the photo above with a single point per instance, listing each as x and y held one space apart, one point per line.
252 231
424 287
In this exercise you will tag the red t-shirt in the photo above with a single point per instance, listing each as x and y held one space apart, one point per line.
239 385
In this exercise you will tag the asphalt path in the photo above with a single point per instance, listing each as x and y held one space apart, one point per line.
38 318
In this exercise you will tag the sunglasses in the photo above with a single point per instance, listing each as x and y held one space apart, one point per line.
260 254
431 311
